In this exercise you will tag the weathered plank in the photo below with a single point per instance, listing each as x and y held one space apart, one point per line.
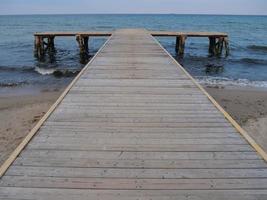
62 194
142 163
53 154
136 173
144 147
96 33
188 34
133 184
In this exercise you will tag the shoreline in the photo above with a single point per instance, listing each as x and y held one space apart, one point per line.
22 108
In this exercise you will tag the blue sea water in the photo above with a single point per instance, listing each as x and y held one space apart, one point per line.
246 64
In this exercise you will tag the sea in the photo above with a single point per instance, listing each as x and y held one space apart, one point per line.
245 66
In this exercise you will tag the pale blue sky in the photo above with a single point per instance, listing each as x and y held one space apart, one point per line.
243 7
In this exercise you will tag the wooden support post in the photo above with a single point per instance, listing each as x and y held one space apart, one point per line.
226 46
80 43
212 45
39 46
180 44
51 43
83 44
177 45
219 46
86 44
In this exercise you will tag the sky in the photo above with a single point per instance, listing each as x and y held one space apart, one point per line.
236 7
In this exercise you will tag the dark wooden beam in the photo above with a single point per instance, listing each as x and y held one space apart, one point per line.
180 44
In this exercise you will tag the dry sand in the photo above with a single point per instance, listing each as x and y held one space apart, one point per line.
20 113
248 106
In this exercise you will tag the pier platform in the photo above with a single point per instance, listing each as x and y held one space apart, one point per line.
217 41
135 125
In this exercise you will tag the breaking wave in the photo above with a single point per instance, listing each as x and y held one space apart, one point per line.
41 71
222 81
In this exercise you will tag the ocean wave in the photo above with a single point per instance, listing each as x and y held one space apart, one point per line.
222 81
13 84
254 61
13 69
257 48
57 72
42 71
104 27
250 61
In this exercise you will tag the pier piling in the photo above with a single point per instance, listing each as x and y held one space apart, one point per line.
212 45
50 42
83 44
226 46
217 45
180 44
39 46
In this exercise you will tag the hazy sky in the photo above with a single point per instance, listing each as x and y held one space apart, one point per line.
245 7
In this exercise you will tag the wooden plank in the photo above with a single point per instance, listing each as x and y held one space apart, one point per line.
167 120
161 130
146 105
141 135
130 125
142 163
133 82
137 141
188 34
127 105
98 33
133 184
139 155
144 147
63 194
136 173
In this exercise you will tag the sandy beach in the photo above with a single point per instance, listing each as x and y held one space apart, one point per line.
248 106
20 113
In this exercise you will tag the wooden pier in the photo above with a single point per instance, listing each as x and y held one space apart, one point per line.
217 41
45 41
135 125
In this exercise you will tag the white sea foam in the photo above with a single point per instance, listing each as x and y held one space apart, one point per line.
221 81
43 71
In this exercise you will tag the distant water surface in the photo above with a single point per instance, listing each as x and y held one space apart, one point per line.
246 65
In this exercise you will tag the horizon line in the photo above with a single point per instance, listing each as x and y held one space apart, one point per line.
29 14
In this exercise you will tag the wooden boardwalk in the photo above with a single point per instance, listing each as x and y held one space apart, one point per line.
136 126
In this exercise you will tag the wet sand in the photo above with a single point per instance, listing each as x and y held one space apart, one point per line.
20 112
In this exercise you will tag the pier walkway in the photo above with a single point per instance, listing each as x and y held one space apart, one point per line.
134 125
